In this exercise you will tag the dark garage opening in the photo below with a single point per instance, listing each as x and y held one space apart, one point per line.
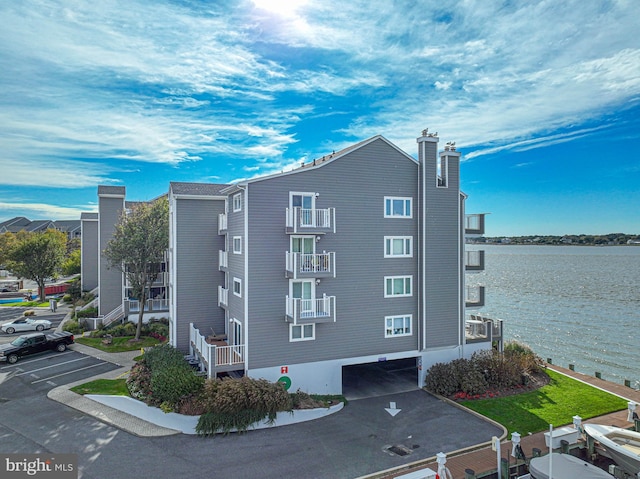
361 381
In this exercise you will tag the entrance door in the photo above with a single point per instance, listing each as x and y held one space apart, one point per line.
305 246
303 202
304 292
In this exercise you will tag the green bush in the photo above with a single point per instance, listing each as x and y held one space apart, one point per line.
174 383
238 403
126 329
139 381
73 327
485 371
87 313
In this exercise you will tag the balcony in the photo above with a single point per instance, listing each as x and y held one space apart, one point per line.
222 223
474 224
162 279
305 311
474 297
133 305
310 221
481 329
223 260
474 261
223 297
217 357
303 265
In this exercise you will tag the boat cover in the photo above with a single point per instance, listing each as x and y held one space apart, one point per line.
565 466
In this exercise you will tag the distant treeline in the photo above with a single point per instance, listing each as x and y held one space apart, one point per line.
608 239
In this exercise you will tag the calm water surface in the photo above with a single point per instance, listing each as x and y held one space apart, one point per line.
574 304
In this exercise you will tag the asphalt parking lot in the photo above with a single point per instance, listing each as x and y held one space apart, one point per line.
44 371
7 314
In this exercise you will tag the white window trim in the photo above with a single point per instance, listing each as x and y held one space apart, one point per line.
239 282
407 254
402 198
302 338
233 244
237 202
403 316
404 295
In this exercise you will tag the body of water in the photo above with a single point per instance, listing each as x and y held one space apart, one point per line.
574 304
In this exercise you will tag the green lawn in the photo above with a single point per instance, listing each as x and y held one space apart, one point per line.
113 387
556 403
28 304
119 345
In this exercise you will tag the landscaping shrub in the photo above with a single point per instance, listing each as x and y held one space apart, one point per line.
73 327
87 313
238 403
485 371
126 329
172 383
139 381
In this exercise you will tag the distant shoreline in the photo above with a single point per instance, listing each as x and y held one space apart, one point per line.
613 239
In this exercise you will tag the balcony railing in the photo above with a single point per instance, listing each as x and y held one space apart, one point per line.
222 223
215 358
162 279
474 260
223 260
149 305
310 221
480 328
474 297
303 265
223 297
319 310
474 224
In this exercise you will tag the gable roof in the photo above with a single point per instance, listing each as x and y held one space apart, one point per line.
318 162
197 189
111 190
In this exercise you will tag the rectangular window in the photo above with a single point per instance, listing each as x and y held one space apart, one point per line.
302 332
397 207
398 246
237 245
397 286
237 287
397 326
237 202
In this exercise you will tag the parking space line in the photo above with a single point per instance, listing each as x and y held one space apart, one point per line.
70 372
54 365
22 363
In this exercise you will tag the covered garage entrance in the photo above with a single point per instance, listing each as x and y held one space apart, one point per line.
361 381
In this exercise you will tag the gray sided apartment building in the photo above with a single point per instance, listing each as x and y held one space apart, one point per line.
356 257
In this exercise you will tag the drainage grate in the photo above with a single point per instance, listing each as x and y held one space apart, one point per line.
398 450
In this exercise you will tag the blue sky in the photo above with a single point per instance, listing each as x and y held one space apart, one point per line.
542 98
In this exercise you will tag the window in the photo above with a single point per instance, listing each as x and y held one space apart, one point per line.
442 172
237 287
237 245
396 286
398 246
397 207
302 332
397 326
237 202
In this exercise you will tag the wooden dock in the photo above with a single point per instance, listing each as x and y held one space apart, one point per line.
483 461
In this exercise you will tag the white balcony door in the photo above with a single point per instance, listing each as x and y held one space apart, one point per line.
304 203
304 291
305 246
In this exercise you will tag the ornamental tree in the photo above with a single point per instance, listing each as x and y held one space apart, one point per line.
138 247
37 256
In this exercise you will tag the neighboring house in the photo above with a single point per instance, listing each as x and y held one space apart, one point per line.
354 258
70 227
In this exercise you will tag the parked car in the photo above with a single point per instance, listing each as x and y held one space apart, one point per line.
35 343
25 324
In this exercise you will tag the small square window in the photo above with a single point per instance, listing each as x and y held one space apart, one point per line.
237 287
237 202
302 332
237 245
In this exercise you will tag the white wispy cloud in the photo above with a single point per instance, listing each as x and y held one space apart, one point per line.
36 211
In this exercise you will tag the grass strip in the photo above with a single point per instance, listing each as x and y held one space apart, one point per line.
112 387
119 344
556 403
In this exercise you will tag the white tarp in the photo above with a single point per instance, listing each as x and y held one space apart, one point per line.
565 466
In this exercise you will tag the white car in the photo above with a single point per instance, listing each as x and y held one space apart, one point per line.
25 324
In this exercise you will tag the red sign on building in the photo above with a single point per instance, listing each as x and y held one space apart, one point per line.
284 369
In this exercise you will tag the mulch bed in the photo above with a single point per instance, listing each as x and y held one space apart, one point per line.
535 381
